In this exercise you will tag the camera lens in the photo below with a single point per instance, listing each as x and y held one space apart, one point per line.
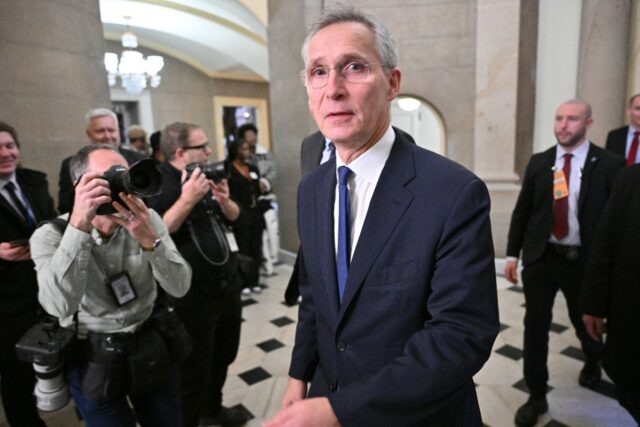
51 390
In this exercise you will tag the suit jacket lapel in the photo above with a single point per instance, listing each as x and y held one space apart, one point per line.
389 202
589 164
325 196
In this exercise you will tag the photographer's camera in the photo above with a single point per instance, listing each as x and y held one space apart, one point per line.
45 345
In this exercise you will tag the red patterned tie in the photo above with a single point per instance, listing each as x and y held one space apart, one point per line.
631 157
561 207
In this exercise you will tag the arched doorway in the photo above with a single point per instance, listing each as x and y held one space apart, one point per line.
420 119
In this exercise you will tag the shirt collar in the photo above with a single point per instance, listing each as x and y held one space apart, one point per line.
579 153
13 179
369 164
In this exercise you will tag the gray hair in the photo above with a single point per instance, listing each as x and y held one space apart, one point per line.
633 97
99 112
78 163
385 45
175 135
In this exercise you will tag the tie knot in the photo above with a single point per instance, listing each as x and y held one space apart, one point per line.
567 157
636 133
343 175
10 186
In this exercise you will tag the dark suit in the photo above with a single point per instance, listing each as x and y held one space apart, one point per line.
545 269
18 298
65 185
310 157
617 141
611 290
419 313
311 152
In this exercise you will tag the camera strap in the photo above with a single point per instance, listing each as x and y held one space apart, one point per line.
220 236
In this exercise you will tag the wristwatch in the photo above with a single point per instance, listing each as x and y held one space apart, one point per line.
153 247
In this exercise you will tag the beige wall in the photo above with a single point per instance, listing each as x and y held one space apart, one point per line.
51 74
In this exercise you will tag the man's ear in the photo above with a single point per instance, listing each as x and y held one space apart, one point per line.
394 84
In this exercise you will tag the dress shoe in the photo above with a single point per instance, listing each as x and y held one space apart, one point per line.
226 417
527 414
590 375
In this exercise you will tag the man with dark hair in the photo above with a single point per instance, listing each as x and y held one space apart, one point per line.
624 141
198 213
100 275
102 128
24 202
563 193
397 276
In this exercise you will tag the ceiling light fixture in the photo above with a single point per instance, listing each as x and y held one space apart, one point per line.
134 70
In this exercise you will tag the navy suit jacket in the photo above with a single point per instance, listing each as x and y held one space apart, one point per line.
419 314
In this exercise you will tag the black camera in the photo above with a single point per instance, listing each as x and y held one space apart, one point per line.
45 345
142 179
213 171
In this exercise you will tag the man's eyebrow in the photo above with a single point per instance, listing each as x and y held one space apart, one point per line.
343 60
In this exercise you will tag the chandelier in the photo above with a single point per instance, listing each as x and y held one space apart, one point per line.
134 70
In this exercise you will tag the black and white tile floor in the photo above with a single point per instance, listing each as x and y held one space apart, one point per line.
258 377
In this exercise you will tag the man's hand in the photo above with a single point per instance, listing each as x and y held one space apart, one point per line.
229 208
511 271
91 192
595 326
14 253
194 188
316 412
135 218
296 391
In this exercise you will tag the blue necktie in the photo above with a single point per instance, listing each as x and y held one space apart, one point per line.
344 229
22 207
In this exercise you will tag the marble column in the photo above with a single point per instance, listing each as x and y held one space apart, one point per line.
602 70
52 73
633 79
290 119
496 107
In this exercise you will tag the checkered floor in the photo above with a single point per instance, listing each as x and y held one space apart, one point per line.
258 377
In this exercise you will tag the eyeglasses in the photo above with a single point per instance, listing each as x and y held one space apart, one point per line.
352 72
197 147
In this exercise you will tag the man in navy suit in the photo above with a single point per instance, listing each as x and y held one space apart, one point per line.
563 193
397 277
624 141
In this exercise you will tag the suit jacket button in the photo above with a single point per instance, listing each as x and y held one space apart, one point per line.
341 346
332 387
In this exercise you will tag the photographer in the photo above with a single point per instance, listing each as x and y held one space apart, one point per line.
24 200
99 276
197 210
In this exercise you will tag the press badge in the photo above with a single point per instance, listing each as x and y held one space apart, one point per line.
231 239
560 189
122 289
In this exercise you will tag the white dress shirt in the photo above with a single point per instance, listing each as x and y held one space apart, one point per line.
365 172
577 165
328 149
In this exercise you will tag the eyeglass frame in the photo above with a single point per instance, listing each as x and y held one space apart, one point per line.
196 147
304 73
